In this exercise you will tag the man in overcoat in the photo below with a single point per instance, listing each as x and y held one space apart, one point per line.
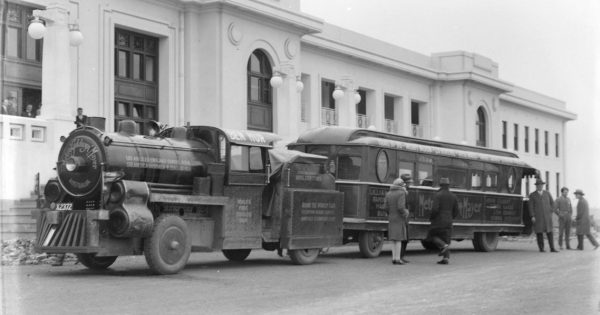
395 203
541 206
565 212
443 212
582 221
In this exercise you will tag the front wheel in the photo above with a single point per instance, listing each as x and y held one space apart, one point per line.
168 248
370 243
236 254
485 241
304 256
95 262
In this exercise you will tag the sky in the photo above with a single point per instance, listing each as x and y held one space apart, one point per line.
548 46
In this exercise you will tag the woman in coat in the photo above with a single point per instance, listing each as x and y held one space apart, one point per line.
582 221
395 204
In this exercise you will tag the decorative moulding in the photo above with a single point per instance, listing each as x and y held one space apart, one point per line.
235 34
291 48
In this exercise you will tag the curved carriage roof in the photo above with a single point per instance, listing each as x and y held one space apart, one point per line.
344 135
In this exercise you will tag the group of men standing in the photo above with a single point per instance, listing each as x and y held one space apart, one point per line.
541 207
445 209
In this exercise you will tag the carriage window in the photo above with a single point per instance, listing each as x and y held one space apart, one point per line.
425 172
318 150
511 180
458 178
476 179
405 168
491 180
382 165
349 166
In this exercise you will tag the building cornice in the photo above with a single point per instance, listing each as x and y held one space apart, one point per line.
303 23
512 98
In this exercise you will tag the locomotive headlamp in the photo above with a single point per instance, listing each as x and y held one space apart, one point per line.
75 163
117 192
52 191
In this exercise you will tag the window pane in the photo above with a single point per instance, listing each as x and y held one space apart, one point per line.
137 66
476 180
239 158
424 174
122 63
254 64
149 68
256 162
405 168
349 166
122 109
138 111
254 89
31 51
12 42
150 112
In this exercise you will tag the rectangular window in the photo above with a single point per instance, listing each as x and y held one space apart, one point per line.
556 144
546 142
137 66
405 168
122 63
547 180
526 139
349 166
476 179
12 42
149 68
389 107
327 89
537 141
414 113
516 138
424 174
504 135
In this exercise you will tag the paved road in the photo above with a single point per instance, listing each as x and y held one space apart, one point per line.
516 279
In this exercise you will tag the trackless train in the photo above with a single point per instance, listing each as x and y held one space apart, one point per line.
200 188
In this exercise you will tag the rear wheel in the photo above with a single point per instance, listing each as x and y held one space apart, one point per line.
485 241
96 262
236 254
168 248
370 243
304 256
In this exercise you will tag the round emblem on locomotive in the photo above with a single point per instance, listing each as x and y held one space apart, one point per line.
79 164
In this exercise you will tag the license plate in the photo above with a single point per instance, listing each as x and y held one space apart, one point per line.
64 206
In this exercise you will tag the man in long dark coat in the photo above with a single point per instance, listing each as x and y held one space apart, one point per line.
582 221
541 206
443 211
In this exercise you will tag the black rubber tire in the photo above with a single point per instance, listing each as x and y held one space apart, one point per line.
428 245
94 262
168 249
370 243
236 254
485 241
304 256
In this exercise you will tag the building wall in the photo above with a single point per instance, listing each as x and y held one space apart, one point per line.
203 55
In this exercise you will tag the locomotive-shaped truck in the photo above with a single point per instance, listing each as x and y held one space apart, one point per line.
186 189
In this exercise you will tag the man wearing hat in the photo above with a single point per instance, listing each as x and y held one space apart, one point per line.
541 206
443 211
409 204
395 203
565 212
582 221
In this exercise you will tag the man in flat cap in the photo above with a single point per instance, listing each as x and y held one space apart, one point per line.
582 221
541 206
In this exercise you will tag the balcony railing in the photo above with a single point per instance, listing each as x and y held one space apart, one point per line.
362 121
391 126
329 117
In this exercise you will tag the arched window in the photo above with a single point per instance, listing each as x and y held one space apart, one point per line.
481 131
260 96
